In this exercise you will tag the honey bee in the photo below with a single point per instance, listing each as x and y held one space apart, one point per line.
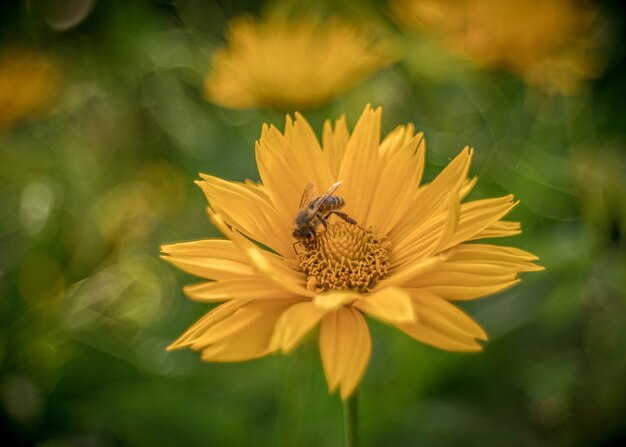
315 210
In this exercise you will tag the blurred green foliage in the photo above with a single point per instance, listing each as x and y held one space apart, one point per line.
89 192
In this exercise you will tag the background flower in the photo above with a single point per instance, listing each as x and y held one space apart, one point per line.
551 44
28 82
284 64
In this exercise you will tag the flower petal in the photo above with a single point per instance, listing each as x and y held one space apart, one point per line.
397 139
515 259
201 326
334 300
433 307
334 142
477 215
271 266
390 304
301 137
243 208
235 331
461 289
252 288
500 228
475 270
467 187
211 259
288 162
436 279
404 275
345 347
435 329
430 238
432 198
360 169
401 174
294 324
450 225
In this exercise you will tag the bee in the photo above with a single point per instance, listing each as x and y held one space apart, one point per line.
315 210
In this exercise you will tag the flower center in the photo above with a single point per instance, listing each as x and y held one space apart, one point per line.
345 256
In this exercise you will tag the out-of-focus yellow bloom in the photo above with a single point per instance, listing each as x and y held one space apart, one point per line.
546 42
285 65
28 82
404 263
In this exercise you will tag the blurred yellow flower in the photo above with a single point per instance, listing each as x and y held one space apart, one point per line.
548 43
284 65
403 263
28 82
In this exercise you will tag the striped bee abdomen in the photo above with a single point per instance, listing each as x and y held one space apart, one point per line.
330 204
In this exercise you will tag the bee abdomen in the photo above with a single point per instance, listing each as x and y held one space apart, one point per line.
331 203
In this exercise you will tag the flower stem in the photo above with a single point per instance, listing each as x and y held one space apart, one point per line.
351 420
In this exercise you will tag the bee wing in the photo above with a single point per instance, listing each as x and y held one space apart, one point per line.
307 195
320 200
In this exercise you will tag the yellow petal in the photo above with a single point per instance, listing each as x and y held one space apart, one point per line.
334 300
466 292
243 208
334 142
240 332
433 307
441 329
467 187
278 272
210 259
271 266
288 162
450 225
477 215
251 288
360 169
223 329
489 260
204 324
433 337
405 274
399 180
302 138
430 238
475 270
396 140
345 348
432 197
418 245
277 168
390 304
294 324
213 248
456 278
500 228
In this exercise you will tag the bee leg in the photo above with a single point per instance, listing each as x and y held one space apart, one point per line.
294 247
322 219
344 216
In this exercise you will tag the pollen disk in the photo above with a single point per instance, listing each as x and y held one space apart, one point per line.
345 256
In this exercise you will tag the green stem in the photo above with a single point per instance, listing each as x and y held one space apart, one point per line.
351 420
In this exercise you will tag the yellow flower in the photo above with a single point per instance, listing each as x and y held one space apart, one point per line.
404 262
548 43
282 64
28 81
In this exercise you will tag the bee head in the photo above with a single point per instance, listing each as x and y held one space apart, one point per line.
303 233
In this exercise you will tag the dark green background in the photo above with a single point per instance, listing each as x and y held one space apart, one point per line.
89 192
